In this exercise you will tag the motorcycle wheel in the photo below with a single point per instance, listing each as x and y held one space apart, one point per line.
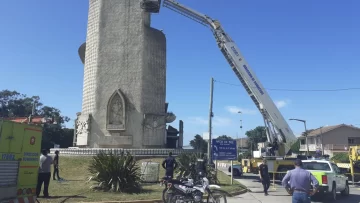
165 196
177 199
217 196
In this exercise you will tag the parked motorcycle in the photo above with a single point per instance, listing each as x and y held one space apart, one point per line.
194 194
168 183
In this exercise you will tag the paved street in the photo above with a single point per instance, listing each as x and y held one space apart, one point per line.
278 194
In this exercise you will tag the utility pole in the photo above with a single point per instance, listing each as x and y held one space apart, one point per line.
239 147
210 120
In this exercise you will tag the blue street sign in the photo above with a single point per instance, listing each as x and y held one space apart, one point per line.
224 149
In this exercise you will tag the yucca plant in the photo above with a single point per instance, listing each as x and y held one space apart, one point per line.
185 159
115 173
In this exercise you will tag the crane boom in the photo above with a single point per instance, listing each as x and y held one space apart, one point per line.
278 129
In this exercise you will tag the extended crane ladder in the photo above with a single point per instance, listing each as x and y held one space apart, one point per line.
186 12
275 119
174 6
242 80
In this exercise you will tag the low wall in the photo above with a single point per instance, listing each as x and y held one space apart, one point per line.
134 152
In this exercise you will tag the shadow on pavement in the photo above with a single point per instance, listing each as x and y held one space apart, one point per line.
352 198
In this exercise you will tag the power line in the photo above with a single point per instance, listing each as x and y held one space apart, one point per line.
301 90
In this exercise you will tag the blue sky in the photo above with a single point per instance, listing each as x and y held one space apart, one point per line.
289 44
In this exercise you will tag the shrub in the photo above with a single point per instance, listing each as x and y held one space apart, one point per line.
115 173
185 170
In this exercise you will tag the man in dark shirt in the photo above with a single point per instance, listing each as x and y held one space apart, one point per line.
169 164
201 163
264 176
56 165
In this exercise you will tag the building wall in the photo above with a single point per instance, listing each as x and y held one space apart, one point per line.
124 54
242 142
340 136
336 140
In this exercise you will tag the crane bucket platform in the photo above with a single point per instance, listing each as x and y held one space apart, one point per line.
151 6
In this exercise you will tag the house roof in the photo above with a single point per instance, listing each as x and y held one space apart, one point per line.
326 129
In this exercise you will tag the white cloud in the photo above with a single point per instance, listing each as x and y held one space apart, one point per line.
217 121
205 136
282 103
235 110
221 121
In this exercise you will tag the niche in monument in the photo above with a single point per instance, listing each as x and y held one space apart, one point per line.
172 137
116 112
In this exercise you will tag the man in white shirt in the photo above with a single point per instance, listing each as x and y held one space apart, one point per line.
44 173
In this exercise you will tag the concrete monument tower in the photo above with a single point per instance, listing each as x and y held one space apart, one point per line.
124 86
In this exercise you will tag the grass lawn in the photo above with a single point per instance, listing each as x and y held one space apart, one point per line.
75 188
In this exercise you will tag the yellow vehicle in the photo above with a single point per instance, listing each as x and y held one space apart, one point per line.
354 157
276 165
20 146
352 169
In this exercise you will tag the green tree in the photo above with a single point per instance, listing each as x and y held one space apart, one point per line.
199 143
15 104
256 136
224 137
295 148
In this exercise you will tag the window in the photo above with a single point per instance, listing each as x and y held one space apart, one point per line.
317 166
351 141
336 169
318 140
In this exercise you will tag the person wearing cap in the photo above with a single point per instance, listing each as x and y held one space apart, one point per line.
264 176
298 181
169 164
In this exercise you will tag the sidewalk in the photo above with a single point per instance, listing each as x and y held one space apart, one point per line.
279 194
276 195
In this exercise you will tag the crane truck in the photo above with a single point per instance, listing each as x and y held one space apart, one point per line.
352 169
279 135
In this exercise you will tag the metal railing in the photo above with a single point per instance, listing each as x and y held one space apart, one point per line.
134 152
337 147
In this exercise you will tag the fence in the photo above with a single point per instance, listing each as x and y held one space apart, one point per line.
134 152
334 147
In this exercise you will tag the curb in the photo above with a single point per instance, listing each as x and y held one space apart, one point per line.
160 201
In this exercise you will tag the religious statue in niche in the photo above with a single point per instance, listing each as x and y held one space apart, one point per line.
116 112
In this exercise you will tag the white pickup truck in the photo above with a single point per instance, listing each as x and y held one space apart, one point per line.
331 180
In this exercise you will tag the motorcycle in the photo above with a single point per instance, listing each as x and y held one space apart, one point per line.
168 182
194 194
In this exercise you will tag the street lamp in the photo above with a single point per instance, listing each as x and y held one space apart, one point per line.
239 112
303 121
